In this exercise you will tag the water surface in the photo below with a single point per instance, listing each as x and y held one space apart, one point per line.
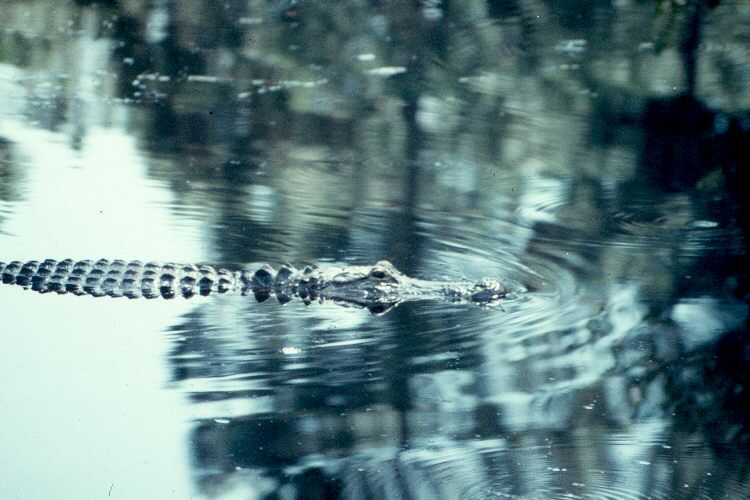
558 147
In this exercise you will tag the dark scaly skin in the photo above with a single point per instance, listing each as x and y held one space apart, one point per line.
378 288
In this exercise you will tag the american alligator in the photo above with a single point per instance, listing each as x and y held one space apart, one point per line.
378 288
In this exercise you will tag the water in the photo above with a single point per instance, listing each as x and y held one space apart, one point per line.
530 142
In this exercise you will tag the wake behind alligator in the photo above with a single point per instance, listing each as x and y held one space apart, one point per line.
378 288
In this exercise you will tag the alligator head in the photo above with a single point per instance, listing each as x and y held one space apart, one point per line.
378 288
381 287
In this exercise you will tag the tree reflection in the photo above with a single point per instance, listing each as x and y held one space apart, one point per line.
446 136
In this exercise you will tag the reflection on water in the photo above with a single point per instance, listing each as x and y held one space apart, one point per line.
591 155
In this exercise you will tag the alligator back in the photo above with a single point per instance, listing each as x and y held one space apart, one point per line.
118 278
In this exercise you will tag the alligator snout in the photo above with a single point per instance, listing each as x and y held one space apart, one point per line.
488 292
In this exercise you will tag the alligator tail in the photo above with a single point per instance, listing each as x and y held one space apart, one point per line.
119 278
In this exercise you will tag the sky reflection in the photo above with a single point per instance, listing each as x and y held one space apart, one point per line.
577 153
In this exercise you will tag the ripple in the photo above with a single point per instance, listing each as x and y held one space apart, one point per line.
482 158
233 335
608 466
582 468
562 217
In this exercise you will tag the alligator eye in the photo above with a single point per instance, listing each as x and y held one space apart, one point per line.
378 274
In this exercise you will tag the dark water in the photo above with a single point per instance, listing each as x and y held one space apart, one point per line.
591 155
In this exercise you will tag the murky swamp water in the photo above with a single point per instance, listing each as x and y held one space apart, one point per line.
589 155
